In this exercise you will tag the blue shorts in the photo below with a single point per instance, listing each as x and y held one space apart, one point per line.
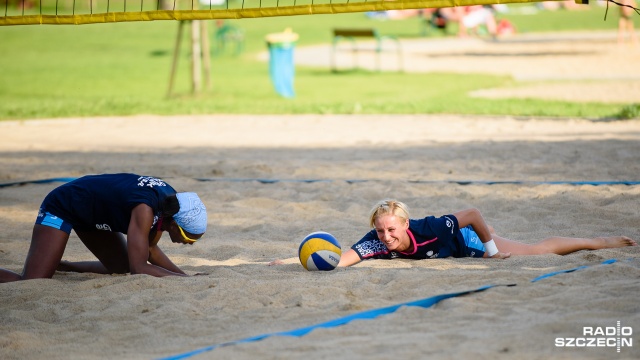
474 246
47 219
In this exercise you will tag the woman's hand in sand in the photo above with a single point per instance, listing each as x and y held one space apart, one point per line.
276 262
501 255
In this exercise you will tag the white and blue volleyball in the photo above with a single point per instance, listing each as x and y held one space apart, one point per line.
319 251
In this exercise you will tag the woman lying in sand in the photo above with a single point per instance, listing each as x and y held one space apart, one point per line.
463 234
100 209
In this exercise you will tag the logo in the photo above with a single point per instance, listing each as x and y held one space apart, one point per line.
610 336
105 227
449 223
150 181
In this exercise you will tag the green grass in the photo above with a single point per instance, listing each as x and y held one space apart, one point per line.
123 69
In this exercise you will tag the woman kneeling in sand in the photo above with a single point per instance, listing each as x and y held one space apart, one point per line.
462 234
100 209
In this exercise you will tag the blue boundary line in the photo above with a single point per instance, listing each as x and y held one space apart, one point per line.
541 277
42 181
364 315
354 181
367 315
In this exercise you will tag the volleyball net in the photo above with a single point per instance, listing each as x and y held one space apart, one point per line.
76 12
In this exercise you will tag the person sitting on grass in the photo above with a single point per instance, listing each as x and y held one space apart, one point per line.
461 234
100 209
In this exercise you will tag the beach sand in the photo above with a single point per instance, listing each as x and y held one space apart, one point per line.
420 160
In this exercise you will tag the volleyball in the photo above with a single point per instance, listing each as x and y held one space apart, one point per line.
319 251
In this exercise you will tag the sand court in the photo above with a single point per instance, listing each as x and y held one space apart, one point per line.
251 222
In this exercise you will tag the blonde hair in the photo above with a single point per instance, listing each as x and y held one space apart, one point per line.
389 207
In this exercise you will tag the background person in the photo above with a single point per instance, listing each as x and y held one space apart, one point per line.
470 18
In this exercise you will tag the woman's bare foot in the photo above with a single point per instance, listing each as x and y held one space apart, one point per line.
615 242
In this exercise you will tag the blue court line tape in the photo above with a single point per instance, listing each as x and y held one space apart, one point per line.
606 262
42 181
459 182
523 182
367 315
265 181
364 315
354 181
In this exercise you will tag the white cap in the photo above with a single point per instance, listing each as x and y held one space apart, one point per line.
192 216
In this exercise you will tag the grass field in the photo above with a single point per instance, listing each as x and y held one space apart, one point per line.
123 69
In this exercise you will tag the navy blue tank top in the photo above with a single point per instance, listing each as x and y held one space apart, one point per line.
105 202
431 237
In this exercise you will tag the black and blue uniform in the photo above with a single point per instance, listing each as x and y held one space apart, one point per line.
431 238
102 202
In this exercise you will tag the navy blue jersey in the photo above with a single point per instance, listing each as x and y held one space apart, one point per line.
105 202
431 237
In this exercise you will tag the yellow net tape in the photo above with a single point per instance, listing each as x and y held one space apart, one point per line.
38 14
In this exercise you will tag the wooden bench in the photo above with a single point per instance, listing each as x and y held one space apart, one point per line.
352 34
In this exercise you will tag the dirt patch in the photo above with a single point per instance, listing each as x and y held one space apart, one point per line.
576 66
612 91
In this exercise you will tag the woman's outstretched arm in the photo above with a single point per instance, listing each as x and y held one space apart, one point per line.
348 258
